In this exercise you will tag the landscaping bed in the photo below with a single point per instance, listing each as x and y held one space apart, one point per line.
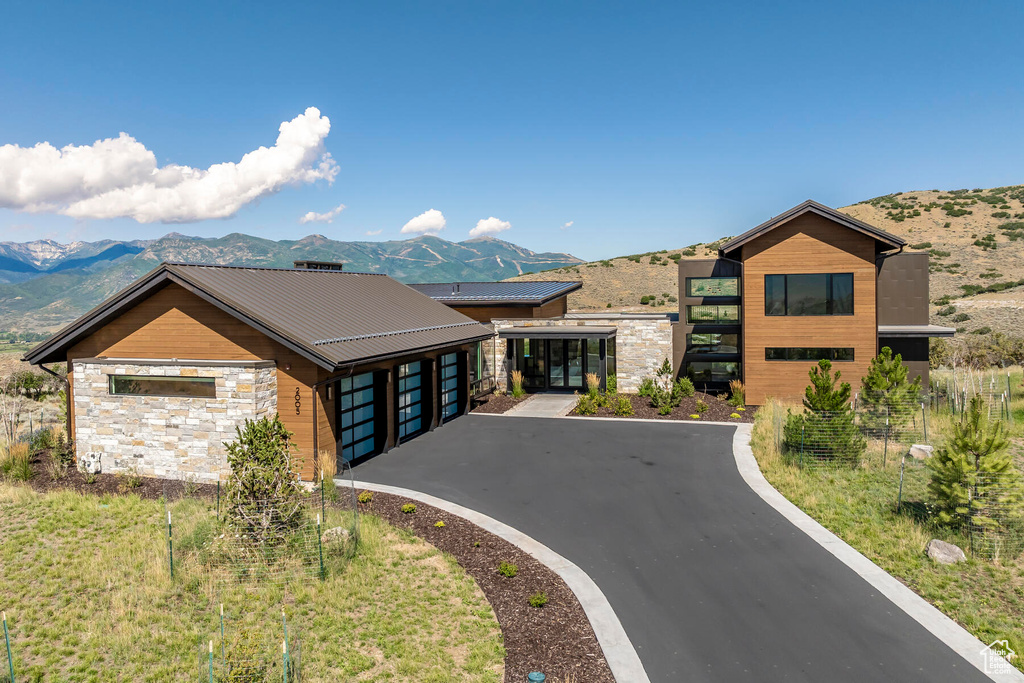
717 409
556 639
498 403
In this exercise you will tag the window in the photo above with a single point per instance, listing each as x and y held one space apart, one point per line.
356 415
186 387
809 294
410 399
808 354
712 342
712 286
727 315
449 386
713 371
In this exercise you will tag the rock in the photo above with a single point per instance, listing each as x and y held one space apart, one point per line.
921 451
944 553
339 533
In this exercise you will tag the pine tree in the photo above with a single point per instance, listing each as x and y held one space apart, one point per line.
886 393
827 429
973 474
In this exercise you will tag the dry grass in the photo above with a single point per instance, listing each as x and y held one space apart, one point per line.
88 598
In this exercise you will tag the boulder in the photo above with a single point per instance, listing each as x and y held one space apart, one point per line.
921 451
944 553
340 533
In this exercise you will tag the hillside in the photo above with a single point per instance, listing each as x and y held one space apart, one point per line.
975 238
49 284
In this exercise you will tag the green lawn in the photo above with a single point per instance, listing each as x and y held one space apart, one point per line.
88 597
859 505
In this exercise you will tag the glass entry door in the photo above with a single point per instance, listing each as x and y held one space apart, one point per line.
557 364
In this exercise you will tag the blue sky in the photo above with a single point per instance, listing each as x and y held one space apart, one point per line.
647 125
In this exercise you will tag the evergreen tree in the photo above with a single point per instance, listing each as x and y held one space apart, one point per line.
973 474
886 393
827 429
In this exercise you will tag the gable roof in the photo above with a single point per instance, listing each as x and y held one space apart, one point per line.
889 241
331 317
524 293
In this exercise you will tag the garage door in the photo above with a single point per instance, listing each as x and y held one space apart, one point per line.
450 394
411 394
356 415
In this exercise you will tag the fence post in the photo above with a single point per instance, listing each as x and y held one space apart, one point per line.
170 544
7 641
899 497
924 422
802 428
223 658
323 513
320 546
211 661
885 453
284 659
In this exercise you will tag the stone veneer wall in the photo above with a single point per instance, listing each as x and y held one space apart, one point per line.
166 436
642 343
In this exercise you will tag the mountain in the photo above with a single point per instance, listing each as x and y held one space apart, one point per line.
975 238
47 284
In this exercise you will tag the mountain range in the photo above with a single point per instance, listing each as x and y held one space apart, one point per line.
45 284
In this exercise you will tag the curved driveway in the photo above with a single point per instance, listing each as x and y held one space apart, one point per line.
709 582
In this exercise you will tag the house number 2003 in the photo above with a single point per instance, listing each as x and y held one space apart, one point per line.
298 401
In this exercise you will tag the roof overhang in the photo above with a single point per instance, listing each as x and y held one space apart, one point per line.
458 300
915 331
886 241
558 332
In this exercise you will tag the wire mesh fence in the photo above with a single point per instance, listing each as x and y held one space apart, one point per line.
251 653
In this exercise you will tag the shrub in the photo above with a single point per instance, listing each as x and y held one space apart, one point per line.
947 310
517 384
737 393
365 497
921 245
646 387
665 409
982 330
507 569
409 508
538 599
960 317
886 396
827 429
585 405
623 406
682 388
16 463
701 407
129 480
735 416
612 384
644 300
694 416
593 384
263 493
438 524
42 440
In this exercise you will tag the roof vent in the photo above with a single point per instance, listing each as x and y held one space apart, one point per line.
317 265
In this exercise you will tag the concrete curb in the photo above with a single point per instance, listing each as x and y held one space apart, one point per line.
919 609
618 650
619 419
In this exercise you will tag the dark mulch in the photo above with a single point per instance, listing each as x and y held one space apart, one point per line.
497 403
556 639
718 410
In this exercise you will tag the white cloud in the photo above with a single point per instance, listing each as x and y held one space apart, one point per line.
489 226
427 223
328 217
371 233
568 225
119 177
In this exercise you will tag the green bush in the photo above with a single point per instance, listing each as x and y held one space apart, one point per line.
960 317
646 387
947 310
701 407
623 407
539 599
827 429
409 508
982 330
684 387
921 245
886 396
585 405
508 569
365 497
612 383
644 300
42 440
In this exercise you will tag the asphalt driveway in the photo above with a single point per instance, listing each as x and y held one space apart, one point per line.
709 582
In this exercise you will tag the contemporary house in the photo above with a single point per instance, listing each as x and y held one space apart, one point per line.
162 373
811 283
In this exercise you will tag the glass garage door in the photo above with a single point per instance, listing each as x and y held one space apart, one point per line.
356 418
449 386
410 399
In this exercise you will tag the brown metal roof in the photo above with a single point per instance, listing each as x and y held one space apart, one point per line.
333 318
520 292
889 240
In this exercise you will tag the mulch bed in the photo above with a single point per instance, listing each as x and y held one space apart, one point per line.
556 639
718 410
497 403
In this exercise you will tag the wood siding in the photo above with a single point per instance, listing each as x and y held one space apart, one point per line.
808 244
485 314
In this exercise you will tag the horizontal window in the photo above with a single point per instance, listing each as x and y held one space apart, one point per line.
811 354
712 342
712 286
809 294
189 387
723 315
713 371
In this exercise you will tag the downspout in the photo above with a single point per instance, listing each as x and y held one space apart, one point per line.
316 420
67 397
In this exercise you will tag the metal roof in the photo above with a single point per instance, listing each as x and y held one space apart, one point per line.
523 293
915 331
331 317
892 241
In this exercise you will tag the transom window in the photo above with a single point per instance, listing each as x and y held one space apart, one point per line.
809 294
805 354
712 286
186 387
703 314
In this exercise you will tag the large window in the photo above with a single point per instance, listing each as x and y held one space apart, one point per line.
712 286
410 399
356 414
186 387
712 342
805 354
713 371
712 315
450 399
809 294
